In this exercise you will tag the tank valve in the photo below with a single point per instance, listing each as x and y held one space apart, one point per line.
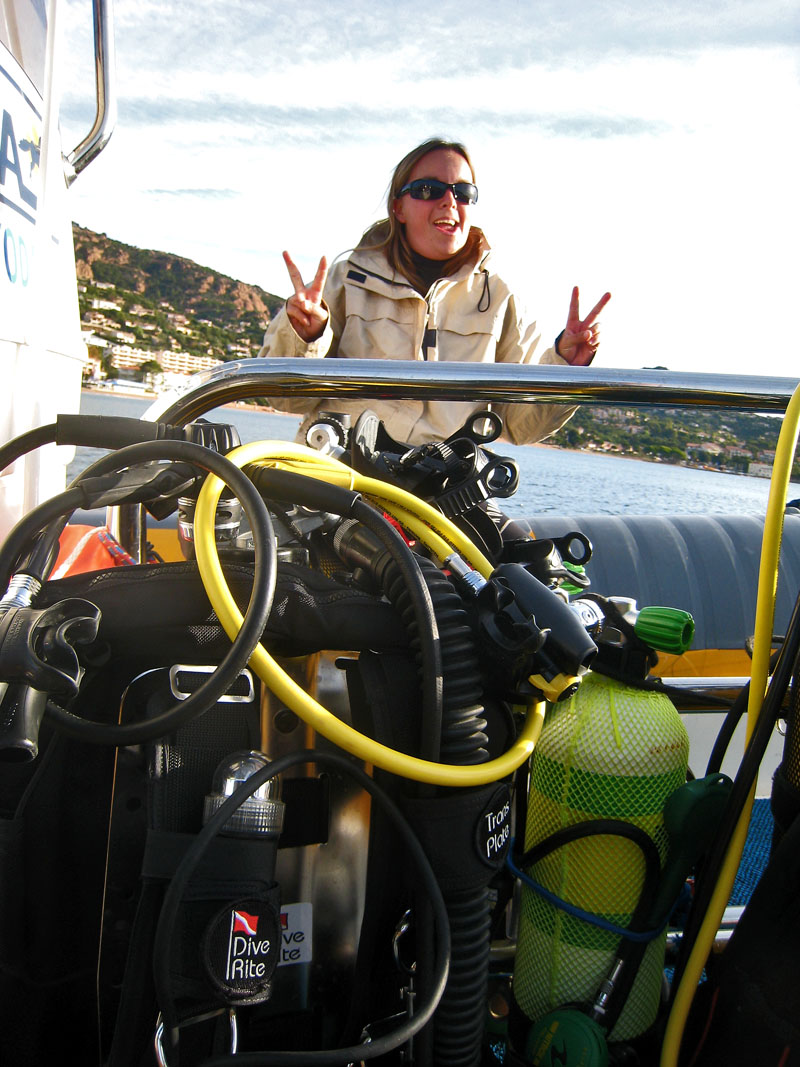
329 433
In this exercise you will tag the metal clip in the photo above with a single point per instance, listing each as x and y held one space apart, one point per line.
158 1039
408 993
241 691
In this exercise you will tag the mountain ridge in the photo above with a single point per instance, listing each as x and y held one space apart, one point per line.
155 302
155 274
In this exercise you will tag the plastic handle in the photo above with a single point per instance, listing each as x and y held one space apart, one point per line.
666 629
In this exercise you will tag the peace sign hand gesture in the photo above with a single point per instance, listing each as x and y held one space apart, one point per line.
581 337
305 309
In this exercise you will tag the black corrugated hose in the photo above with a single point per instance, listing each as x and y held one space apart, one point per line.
458 1024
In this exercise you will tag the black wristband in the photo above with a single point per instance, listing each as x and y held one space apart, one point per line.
555 344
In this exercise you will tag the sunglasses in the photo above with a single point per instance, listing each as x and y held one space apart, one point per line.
433 189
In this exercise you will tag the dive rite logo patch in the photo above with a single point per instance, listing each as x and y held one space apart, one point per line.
241 950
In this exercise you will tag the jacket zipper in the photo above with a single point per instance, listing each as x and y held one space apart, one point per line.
429 329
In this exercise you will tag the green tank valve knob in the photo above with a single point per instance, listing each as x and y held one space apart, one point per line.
574 587
666 629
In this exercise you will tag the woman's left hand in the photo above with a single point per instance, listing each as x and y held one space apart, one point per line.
581 337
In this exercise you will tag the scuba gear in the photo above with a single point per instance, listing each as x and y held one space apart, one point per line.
323 936
459 475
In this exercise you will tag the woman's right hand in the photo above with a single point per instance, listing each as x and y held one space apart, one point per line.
305 309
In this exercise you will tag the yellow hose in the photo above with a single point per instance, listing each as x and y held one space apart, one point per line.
762 647
431 527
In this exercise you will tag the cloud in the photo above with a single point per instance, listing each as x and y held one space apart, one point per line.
162 45
203 194
339 72
637 146
164 42
239 121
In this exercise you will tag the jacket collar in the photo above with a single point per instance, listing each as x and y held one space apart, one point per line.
374 264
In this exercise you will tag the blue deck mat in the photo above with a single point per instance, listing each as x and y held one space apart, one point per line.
755 855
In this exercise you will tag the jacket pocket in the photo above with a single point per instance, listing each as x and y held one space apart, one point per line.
378 327
468 335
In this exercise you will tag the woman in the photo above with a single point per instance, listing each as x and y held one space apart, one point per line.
421 285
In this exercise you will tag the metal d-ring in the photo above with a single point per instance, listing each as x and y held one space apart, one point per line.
158 1040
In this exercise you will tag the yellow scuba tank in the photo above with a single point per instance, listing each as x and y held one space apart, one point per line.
609 752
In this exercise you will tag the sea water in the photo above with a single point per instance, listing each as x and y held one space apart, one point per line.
551 479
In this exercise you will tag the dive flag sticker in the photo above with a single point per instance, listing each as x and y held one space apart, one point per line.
296 930
244 923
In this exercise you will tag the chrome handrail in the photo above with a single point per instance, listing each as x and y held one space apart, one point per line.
106 115
353 379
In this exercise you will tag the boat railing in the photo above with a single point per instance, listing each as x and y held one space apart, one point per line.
355 379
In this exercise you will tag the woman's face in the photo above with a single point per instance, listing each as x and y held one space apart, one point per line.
436 229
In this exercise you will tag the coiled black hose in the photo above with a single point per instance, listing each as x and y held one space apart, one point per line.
256 614
380 535
372 544
92 431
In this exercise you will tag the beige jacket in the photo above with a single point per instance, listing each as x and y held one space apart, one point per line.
374 313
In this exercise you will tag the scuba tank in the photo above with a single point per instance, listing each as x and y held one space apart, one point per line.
610 752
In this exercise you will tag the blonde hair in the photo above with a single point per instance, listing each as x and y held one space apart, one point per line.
389 235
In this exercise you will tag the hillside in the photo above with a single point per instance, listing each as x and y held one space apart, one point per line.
158 301
727 440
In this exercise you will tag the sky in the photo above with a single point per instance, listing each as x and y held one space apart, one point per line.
651 149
